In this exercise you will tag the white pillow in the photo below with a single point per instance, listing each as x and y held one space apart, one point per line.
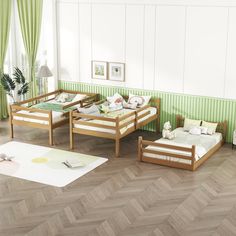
140 101
93 110
204 130
116 98
210 126
64 97
195 131
79 97
188 124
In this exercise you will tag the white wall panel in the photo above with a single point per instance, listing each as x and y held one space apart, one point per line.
108 32
134 46
68 41
230 80
85 42
149 47
170 39
205 51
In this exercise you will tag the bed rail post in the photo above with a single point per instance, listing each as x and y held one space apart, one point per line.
193 157
10 121
50 123
117 151
140 146
158 106
71 131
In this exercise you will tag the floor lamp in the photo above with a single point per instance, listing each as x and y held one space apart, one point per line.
43 74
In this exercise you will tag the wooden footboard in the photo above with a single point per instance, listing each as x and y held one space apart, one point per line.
114 124
147 154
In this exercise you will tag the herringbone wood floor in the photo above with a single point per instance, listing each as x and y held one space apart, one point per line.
121 197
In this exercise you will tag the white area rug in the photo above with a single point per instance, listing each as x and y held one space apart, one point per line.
44 165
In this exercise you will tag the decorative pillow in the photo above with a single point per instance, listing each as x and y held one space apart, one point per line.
116 98
140 101
204 130
64 97
188 124
79 97
129 105
195 131
210 126
93 110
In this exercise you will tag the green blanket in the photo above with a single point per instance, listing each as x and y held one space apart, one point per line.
52 107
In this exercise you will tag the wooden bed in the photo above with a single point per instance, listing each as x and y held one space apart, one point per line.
115 127
189 153
24 114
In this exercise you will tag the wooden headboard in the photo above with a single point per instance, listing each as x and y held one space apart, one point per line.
221 127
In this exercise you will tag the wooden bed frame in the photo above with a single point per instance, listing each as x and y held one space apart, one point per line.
50 126
75 118
222 128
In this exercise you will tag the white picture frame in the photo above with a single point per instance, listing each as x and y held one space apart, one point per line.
116 71
99 70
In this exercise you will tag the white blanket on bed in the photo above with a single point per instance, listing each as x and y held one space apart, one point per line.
203 144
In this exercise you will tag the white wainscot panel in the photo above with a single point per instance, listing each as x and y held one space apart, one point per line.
230 81
170 39
85 42
149 47
205 51
108 32
68 47
134 46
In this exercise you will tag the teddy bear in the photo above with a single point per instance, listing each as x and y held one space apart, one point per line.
166 132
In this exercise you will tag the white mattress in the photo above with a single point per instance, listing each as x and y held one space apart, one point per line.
123 130
202 142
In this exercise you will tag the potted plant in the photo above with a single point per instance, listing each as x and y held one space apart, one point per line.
16 85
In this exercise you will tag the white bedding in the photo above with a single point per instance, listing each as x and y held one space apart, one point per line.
123 130
202 142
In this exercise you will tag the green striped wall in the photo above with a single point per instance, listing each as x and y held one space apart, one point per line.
197 107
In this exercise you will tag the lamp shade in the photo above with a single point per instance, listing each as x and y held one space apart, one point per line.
44 72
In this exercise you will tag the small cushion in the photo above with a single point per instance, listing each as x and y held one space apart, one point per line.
64 97
211 126
195 131
140 101
189 123
79 97
116 98
93 110
204 130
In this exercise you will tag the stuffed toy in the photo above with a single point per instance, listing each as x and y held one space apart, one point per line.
166 132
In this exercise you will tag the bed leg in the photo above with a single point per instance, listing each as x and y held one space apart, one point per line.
140 139
11 131
117 147
10 122
50 137
71 131
71 139
157 125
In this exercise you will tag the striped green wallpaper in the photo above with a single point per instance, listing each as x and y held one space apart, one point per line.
197 107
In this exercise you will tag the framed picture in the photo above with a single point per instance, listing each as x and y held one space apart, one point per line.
117 71
99 70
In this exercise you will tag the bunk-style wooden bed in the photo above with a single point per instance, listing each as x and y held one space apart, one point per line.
186 151
45 112
115 125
